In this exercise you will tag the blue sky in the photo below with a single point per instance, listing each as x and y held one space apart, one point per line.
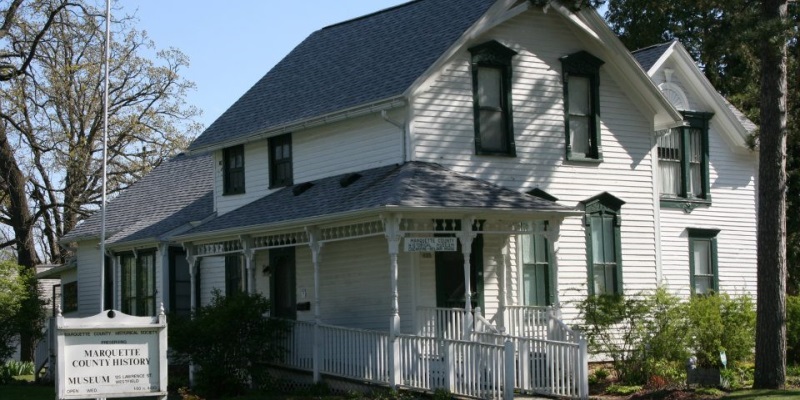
231 44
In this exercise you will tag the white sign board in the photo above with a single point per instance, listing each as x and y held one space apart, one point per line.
112 354
430 244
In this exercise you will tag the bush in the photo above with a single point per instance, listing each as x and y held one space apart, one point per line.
644 335
13 295
228 340
720 323
793 329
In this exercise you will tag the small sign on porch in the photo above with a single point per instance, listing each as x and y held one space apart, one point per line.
111 354
430 244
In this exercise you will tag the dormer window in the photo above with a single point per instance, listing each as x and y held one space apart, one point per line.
280 161
233 170
491 90
581 80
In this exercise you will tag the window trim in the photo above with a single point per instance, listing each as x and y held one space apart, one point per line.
583 64
604 203
550 284
227 171
273 170
698 234
696 120
125 304
493 54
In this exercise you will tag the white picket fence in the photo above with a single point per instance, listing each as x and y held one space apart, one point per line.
484 365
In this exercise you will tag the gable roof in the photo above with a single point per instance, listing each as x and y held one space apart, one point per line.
413 186
652 58
182 187
361 61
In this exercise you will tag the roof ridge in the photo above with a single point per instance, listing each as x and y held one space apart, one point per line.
370 14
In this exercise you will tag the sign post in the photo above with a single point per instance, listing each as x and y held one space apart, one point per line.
111 354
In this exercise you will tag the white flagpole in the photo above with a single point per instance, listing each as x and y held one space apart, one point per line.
105 157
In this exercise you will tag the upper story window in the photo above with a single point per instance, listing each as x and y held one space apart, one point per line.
491 91
703 269
280 161
138 283
581 82
683 161
233 170
603 244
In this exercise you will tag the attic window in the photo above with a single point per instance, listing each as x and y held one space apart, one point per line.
491 91
299 189
349 179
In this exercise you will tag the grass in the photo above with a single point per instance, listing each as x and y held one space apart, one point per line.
28 391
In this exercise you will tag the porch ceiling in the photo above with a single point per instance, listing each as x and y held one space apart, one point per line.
411 188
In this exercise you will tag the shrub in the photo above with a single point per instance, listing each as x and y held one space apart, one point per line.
644 335
228 340
14 293
793 329
721 323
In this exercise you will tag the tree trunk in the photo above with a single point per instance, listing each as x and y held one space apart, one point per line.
770 365
23 230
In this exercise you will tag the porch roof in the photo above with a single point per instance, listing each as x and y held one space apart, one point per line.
413 186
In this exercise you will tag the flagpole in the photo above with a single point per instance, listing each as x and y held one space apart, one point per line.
105 157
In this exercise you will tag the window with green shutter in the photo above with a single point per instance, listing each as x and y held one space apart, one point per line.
536 287
491 90
581 84
683 163
603 244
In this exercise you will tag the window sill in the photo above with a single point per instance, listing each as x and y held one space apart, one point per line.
584 160
687 205
509 154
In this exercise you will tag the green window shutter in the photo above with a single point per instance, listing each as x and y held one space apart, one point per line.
536 285
683 159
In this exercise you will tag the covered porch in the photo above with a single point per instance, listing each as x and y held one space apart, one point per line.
423 296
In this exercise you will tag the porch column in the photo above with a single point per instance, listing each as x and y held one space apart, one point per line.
465 237
552 233
316 247
191 259
394 235
249 254
504 275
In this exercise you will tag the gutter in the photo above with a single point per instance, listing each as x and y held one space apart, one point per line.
336 116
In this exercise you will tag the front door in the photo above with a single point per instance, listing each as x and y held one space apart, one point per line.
284 301
450 276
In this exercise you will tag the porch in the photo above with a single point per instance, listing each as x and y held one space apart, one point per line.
485 363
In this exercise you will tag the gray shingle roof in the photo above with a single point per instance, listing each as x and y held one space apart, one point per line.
413 184
648 56
171 195
368 59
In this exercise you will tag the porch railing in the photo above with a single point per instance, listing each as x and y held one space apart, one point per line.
528 321
489 366
438 322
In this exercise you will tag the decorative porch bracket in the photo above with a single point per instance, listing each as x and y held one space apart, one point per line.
394 235
466 236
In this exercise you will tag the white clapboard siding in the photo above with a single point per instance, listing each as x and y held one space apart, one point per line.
445 134
212 276
355 287
352 145
733 211
89 293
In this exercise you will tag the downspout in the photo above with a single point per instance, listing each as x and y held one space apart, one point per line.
403 130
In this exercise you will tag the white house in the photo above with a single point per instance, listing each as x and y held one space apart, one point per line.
444 169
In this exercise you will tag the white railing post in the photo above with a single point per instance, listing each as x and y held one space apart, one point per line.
583 367
394 235
449 367
508 371
524 364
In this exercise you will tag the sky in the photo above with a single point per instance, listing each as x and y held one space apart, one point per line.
233 43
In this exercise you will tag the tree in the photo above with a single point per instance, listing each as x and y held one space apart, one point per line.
770 371
51 122
14 283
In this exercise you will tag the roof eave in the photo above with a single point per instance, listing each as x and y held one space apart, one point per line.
323 219
336 116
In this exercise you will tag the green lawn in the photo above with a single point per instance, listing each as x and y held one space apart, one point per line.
764 394
28 392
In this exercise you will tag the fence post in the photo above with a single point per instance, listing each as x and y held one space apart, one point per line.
315 360
583 365
524 365
449 367
508 371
